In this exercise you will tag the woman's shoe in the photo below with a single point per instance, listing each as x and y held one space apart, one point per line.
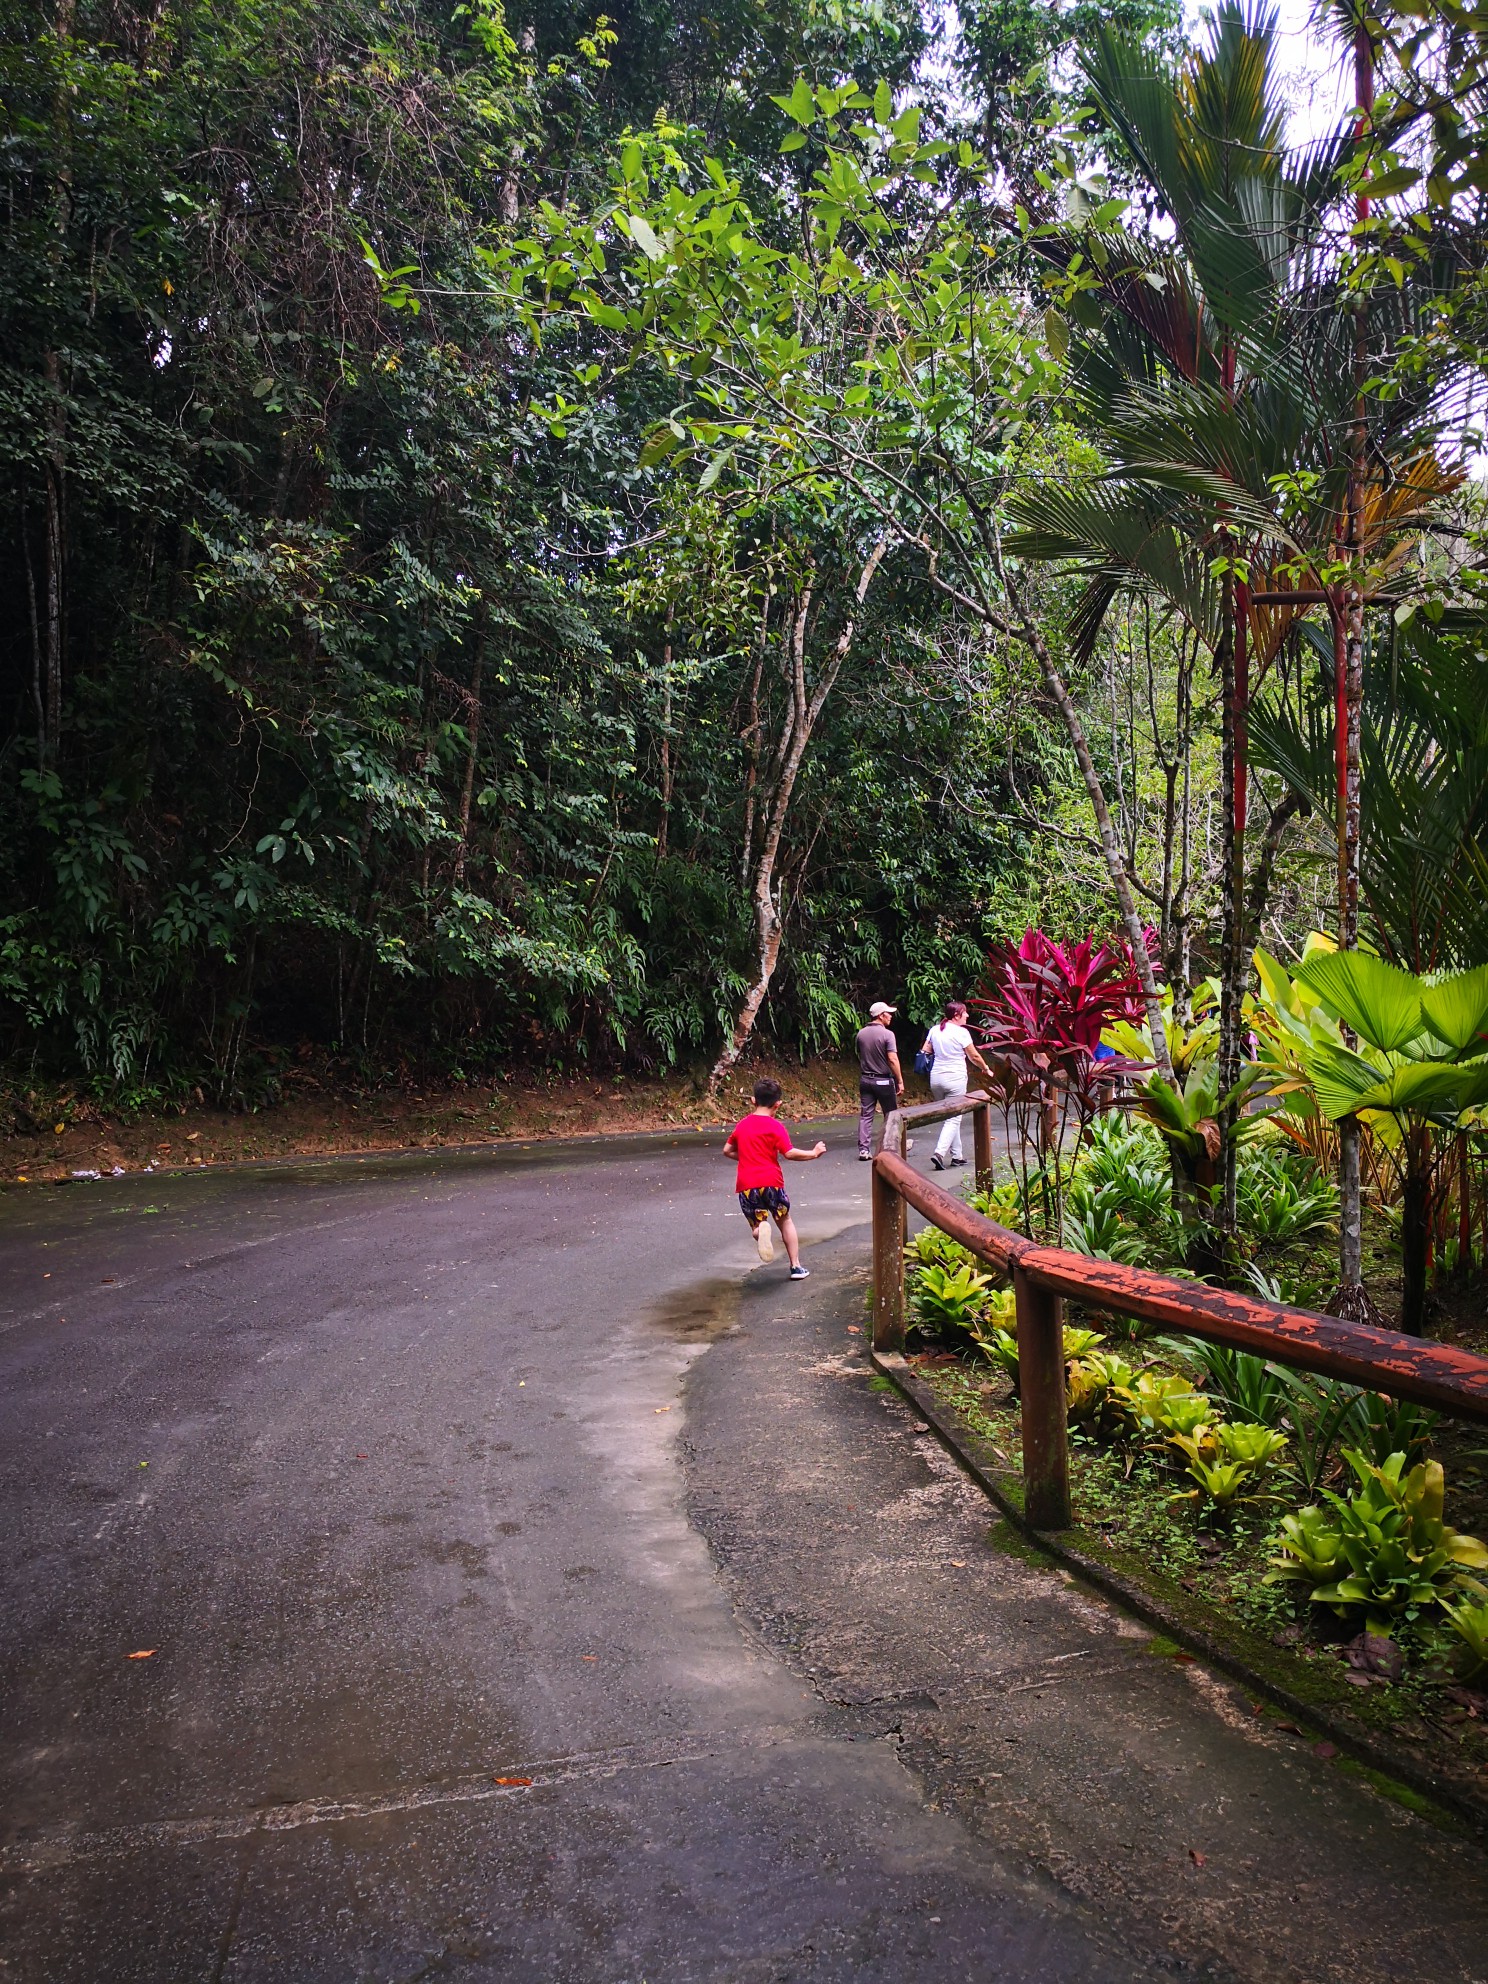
938 1162
958 1160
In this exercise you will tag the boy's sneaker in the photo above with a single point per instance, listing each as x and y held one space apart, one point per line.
800 1274
764 1240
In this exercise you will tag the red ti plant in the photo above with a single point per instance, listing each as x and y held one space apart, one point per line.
1041 1014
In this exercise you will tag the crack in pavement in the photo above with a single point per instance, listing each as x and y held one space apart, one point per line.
73 1842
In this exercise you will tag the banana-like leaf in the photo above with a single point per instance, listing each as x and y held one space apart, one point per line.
1382 1004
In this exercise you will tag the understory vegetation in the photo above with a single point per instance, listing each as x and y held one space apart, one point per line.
1336 1521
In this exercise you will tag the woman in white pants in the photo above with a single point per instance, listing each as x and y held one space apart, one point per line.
951 1044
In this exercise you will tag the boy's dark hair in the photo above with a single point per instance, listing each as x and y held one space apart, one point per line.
767 1091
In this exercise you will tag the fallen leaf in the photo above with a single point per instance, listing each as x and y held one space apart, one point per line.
588 1656
1257 1708
361 1456
1199 1859
511 1780
853 1330
1325 1749
145 1653
1290 1728
47 1276
109 1280
22 1179
958 1563
663 1408
1185 1659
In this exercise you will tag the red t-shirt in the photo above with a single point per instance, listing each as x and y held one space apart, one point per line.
759 1141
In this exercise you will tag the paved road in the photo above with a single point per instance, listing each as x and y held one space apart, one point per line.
398 1471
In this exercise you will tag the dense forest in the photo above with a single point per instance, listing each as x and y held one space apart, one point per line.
445 626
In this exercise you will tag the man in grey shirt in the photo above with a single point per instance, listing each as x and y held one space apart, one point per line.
880 1078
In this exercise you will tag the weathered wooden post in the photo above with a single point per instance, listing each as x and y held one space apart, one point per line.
1046 1493
888 1265
982 1130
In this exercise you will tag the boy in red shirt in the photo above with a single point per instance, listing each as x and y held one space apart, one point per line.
759 1141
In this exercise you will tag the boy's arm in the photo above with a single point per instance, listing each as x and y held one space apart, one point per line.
731 1148
805 1156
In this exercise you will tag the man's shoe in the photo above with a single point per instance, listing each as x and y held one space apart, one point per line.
764 1240
800 1274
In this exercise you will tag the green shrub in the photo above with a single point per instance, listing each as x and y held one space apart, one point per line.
1469 1617
1311 1546
932 1248
1275 1205
1244 1384
947 1300
1394 1553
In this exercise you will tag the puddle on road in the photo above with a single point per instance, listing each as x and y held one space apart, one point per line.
699 1314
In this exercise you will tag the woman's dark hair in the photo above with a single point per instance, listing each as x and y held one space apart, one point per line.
955 1009
767 1091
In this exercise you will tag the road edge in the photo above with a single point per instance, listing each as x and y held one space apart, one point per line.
1449 1803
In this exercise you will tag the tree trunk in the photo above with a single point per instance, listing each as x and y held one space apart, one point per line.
805 708
1415 1232
1351 1299
666 751
467 785
1232 930
54 514
1028 630
1464 1207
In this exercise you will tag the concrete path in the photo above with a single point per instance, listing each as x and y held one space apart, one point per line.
405 1474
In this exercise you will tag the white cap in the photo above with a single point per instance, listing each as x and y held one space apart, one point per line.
879 1007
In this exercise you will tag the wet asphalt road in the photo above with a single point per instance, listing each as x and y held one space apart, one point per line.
378 1463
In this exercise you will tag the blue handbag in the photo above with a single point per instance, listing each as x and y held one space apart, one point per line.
924 1061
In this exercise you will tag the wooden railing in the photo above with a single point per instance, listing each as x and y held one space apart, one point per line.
1434 1374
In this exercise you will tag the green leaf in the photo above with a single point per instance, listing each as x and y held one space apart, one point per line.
658 446
883 103
643 235
605 313
1424 1086
1381 1004
1456 1009
1056 333
1341 1080
793 141
1400 180
800 105
715 468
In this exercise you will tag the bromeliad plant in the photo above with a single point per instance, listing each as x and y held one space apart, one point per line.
1227 1471
1469 1619
949 1300
1386 1550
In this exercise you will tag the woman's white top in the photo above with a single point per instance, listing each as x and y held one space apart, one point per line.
948 1043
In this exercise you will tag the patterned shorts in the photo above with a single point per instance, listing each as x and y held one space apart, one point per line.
762 1201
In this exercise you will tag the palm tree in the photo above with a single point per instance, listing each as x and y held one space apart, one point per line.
1217 367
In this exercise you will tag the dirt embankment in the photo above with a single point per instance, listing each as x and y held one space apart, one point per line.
73 1135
